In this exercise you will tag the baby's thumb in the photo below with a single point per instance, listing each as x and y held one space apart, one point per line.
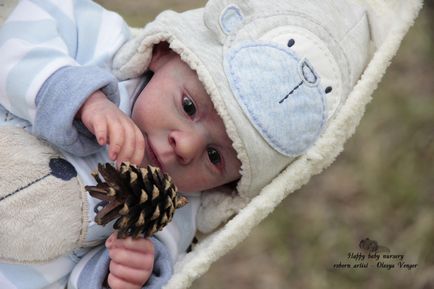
109 241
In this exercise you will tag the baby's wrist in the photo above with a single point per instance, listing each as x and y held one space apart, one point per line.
97 96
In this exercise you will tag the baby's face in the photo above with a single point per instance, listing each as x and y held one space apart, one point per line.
183 133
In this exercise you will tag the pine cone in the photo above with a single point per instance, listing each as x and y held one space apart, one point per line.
144 199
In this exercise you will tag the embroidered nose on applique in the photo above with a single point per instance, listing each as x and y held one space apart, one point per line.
279 92
307 76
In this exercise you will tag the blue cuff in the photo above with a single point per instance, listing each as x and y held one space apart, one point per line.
163 268
94 273
61 97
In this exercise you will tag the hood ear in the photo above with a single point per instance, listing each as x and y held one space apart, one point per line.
226 17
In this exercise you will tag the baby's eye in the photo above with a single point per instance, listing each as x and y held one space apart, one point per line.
214 156
188 106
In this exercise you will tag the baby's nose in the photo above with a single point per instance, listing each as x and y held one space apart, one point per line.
187 145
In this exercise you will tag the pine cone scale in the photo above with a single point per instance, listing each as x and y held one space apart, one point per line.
108 213
99 193
110 176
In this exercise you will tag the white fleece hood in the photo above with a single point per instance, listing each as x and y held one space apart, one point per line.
277 75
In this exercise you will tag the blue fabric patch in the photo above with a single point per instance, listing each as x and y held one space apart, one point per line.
280 94
231 19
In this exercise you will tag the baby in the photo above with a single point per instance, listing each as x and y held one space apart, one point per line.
237 91
74 103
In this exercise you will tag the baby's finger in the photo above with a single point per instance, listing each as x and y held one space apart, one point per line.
132 259
127 149
116 139
141 245
118 283
131 275
100 130
139 151
110 240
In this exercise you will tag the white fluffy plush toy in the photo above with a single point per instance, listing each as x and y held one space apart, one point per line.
42 204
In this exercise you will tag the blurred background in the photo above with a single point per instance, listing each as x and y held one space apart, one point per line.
381 187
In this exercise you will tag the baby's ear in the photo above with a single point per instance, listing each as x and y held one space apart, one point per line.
226 17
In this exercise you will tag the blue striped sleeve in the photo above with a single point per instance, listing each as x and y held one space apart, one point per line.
52 274
38 31
41 37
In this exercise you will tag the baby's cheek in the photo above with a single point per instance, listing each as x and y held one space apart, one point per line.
195 182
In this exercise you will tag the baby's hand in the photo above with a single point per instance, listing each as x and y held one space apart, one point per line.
111 126
131 262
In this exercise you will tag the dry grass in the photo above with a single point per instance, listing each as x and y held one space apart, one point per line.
381 187
138 13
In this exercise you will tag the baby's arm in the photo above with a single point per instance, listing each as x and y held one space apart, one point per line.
110 125
131 262
53 56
